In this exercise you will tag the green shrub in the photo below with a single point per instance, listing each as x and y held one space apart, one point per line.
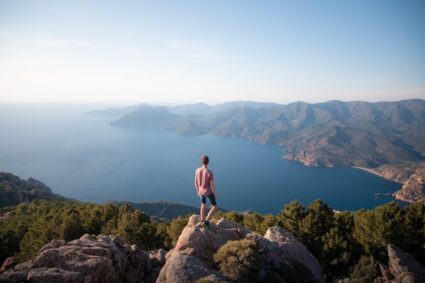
365 271
176 227
239 260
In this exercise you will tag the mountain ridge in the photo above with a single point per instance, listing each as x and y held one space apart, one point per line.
333 133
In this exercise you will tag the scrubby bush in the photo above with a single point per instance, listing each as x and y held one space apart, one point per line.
365 271
239 260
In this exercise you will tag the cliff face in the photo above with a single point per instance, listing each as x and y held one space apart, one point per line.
14 190
109 259
411 175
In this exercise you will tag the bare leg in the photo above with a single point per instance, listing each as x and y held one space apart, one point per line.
213 210
202 212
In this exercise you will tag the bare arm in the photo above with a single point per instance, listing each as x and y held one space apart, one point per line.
196 185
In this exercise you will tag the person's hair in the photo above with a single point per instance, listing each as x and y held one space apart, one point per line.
205 160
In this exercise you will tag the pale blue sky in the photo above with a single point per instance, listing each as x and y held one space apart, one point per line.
211 51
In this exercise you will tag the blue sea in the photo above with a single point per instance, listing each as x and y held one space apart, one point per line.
83 157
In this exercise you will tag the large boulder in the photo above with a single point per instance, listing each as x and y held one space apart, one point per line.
402 268
281 247
193 256
204 243
88 259
181 268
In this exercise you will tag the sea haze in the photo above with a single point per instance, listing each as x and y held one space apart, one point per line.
83 157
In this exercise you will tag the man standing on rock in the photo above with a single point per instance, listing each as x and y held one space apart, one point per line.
205 188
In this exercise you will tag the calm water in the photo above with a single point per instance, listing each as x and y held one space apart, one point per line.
83 157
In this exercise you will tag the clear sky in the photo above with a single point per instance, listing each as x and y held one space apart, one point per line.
211 51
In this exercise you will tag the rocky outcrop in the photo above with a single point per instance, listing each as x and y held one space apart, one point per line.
192 258
281 246
204 243
8 263
186 268
310 158
410 174
402 268
105 258
88 259
413 189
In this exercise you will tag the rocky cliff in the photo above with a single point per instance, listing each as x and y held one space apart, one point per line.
105 258
412 177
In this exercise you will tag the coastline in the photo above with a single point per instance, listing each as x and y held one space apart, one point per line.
371 171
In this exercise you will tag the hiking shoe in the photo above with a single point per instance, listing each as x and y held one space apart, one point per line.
199 224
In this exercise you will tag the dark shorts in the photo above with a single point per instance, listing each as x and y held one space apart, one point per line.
211 197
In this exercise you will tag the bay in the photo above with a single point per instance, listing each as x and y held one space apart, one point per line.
83 157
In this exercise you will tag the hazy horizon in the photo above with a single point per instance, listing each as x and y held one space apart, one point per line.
184 52
127 104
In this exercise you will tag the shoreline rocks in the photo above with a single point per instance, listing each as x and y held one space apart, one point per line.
410 175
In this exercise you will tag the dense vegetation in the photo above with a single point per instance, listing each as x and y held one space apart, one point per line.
163 210
348 243
345 243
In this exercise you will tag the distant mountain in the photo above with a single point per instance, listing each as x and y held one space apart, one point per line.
330 134
114 111
205 109
14 190
334 133
148 117
195 109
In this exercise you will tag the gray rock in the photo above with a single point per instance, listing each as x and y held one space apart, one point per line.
88 259
8 263
402 268
181 268
192 257
203 243
213 278
54 274
281 246
158 256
